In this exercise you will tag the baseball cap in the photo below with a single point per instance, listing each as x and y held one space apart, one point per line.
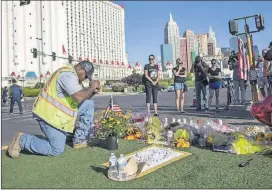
88 67
197 59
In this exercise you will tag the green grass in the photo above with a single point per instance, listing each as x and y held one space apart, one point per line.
203 169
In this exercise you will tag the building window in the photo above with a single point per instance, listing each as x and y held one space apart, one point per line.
30 26
14 18
30 14
15 43
31 62
14 30
30 37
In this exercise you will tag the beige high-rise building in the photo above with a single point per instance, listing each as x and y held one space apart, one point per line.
203 44
171 36
190 38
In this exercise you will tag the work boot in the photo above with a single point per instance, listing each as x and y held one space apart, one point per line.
82 144
14 148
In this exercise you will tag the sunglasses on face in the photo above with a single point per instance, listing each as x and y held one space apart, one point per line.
151 58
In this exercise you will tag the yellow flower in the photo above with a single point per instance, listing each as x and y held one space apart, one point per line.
111 118
110 126
118 122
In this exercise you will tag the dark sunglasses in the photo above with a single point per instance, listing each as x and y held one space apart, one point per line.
151 59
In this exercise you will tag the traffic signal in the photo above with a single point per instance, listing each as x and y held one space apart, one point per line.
70 59
24 2
233 27
35 53
53 56
259 22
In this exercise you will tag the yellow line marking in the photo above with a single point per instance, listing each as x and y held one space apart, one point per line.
4 147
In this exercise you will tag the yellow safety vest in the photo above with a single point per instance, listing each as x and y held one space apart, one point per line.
60 113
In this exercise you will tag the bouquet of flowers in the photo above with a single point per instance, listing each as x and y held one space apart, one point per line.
115 124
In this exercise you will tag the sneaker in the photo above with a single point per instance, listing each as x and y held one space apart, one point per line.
156 115
14 148
206 109
11 113
198 109
21 113
83 144
182 111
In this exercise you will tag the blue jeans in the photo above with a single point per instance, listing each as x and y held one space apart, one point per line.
179 86
56 139
200 87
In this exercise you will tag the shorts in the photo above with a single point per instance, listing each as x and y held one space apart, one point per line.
179 86
263 82
215 85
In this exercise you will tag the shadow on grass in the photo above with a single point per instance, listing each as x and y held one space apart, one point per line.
102 170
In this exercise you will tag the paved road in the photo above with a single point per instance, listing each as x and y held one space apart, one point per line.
24 123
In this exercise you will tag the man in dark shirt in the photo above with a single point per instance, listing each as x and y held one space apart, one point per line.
16 95
200 69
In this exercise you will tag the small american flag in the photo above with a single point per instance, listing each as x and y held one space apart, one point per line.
113 106
243 61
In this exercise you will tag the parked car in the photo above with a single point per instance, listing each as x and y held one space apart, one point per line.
171 88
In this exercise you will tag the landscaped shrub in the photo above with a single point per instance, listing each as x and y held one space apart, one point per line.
104 89
39 85
31 92
133 79
118 87
164 84
189 77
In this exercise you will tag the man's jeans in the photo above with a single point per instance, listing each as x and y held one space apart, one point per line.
55 142
239 84
12 101
200 87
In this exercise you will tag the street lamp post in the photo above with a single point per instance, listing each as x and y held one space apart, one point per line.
40 72
97 49
233 28
23 77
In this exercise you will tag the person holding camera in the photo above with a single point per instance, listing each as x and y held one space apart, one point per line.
214 74
61 109
179 84
200 69
239 83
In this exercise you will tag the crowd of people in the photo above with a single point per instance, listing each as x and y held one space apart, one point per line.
208 78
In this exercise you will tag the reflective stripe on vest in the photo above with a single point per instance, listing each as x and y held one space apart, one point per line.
58 104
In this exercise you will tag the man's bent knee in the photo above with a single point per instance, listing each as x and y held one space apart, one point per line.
57 151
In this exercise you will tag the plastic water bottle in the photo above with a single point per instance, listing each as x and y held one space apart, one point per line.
165 122
122 162
184 121
179 120
113 171
173 120
169 138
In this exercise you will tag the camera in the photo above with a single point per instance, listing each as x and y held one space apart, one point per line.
233 57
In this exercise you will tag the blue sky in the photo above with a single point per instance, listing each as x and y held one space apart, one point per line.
145 22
